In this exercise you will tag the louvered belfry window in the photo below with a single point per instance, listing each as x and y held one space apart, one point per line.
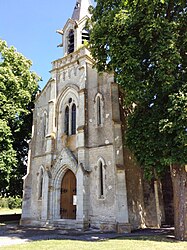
71 42
85 35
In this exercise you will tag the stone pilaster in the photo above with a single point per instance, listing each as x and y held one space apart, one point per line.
82 174
122 216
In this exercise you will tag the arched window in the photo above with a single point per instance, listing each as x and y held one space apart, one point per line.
71 41
85 35
101 180
45 124
73 119
40 184
98 111
66 121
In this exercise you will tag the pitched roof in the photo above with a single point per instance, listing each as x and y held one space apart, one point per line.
81 9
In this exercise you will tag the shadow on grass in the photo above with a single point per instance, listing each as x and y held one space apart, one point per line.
158 238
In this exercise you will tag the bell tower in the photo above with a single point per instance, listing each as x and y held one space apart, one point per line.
74 34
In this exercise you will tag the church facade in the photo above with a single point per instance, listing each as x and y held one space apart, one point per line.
80 175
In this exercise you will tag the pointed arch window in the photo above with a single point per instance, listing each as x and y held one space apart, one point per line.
66 121
73 119
98 111
101 179
40 191
70 118
71 41
45 124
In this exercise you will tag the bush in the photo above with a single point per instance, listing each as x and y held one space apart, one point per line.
3 202
10 202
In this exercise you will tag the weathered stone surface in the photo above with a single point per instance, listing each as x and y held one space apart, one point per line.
110 193
123 228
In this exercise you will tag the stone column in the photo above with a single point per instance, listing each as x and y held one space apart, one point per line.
50 141
122 217
44 212
27 182
82 174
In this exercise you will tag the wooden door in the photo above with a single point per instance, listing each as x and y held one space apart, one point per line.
68 190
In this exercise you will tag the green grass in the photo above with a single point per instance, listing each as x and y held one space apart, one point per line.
143 243
10 211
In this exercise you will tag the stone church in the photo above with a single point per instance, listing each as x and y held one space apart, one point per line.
80 175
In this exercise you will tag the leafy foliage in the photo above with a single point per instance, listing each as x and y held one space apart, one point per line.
17 88
10 202
144 42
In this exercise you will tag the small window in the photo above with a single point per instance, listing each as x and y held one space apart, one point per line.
98 111
66 121
77 5
73 120
45 124
71 42
40 185
101 180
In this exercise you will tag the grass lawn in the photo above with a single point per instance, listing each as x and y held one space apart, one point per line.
143 243
10 211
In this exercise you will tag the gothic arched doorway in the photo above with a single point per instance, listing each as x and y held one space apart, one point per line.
68 193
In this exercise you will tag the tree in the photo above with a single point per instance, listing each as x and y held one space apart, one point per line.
18 86
144 42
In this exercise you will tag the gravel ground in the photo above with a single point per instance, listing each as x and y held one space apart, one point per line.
11 234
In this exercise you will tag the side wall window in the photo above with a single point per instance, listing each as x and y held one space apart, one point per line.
45 124
99 110
40 186
101 182
101 179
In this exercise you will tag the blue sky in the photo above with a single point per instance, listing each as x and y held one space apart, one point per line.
30 26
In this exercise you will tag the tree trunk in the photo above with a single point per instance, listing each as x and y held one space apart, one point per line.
179 180
158 214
